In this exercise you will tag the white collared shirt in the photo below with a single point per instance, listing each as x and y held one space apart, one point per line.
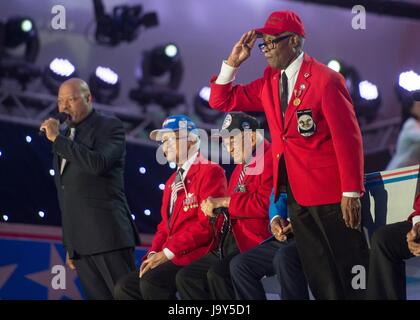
187 164
292 72
227 74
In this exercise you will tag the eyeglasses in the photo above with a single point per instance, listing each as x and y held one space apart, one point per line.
270 45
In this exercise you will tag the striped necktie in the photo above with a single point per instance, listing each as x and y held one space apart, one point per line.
241 177
176 186
71 137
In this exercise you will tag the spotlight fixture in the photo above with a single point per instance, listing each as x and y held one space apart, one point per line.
58 71
19 48
202 107
104 84
370 101
408 83
159 77
365 95
122 25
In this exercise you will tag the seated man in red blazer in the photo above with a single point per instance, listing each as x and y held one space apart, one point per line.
185 233
243 224
391 245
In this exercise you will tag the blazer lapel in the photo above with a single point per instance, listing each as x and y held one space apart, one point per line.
275 105
178 205
301 87
65 132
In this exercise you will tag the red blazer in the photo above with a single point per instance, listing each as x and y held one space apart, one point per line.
190 234
416 208
249 210
322 166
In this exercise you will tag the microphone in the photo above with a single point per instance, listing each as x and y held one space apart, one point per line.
61 117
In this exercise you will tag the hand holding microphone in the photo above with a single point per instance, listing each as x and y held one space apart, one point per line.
51 127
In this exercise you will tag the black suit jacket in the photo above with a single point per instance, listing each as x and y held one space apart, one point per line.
95 214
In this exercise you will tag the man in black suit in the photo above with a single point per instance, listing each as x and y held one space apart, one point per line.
98 232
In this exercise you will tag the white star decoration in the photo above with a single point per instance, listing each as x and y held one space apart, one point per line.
45 277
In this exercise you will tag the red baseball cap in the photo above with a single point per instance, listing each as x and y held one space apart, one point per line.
282 21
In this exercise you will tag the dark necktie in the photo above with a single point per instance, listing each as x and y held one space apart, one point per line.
284 93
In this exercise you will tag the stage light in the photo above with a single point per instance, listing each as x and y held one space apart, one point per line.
409 81
147 212
171 50
106 75
26 25
133 217
22 31
162 186
104 84
28 139
5 217
58 71
159 77
368 91
202 107
350 75
52 172
142 170
62 67
334 65
41 214
172 165
0 153
122 25
205 93
19 48
369 103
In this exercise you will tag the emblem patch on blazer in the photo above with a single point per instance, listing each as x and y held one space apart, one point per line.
306 124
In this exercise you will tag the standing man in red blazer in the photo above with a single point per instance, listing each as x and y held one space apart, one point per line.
317 148
244 224
185 232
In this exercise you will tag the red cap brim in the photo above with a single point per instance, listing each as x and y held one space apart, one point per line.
270 31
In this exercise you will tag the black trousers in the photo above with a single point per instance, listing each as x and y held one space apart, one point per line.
100 272
267 259
208 277
389 249
328 249
155 284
